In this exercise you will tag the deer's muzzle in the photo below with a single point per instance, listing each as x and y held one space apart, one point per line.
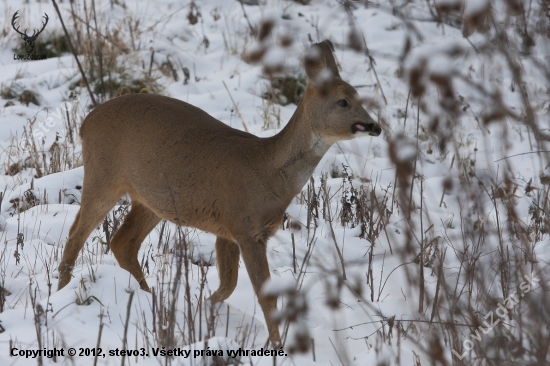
372 129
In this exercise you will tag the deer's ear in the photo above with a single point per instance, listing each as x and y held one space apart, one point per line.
320 58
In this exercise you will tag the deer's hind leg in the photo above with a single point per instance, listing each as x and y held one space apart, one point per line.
227 259
127 240
97 200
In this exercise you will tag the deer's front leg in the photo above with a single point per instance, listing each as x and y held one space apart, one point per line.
255 259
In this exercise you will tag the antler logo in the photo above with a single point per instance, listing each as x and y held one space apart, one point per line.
29 40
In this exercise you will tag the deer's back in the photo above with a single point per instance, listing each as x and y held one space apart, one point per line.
160 116
180 161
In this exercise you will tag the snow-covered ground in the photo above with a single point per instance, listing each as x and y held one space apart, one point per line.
425 265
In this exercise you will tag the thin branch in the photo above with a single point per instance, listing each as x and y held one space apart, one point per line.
74 54
525 153
236 107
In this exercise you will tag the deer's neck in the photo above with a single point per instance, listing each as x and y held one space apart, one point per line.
297 150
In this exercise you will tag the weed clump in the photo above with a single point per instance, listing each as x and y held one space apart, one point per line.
28 96
17 91
52 45
287 89
126 86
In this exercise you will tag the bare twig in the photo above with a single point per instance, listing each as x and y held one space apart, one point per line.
75 55
236 107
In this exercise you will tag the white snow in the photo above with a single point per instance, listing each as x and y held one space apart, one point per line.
348 320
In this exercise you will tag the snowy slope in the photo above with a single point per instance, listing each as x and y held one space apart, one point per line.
477 206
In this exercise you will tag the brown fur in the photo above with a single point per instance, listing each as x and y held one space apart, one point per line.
180 164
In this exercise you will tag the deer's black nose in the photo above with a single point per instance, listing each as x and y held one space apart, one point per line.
372 129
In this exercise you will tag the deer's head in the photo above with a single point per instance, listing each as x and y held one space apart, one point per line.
334 107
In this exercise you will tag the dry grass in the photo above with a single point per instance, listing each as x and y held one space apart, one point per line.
458 272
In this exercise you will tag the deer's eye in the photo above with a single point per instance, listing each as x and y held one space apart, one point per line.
342 103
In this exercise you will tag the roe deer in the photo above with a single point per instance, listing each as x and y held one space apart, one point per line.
180 164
